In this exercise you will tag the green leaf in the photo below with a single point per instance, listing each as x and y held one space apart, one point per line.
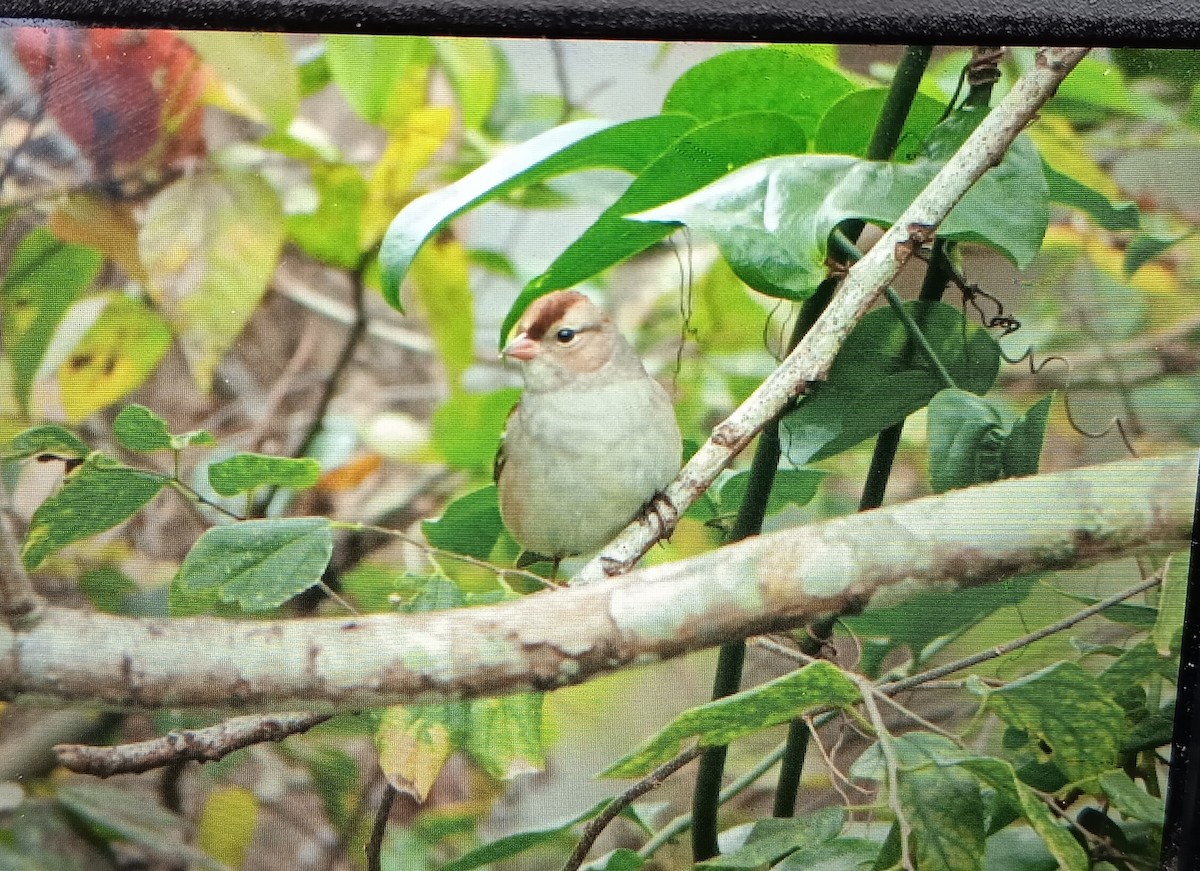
1168 627
1023 448
568 148
97 496
622 859
1144 247
837 854
108 588
758 80
791 487
772 219
1067 191
140 429
506 735
312 69
470 525
1066 708
772 839
467 428
474 71
1075 179
55 441
118 352
1131 800
973 440
118 813
692 161
1003 778
210 243
514 845
243 473
44 277
819 685
878 379
260 564
382 77
330 232
1137 665
944 807
257 68
927 617
1096 89
849 124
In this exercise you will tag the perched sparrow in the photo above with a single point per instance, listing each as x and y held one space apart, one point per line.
593 438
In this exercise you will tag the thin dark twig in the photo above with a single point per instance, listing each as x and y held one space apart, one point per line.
353 336
185 745
564 83
375 844
613 809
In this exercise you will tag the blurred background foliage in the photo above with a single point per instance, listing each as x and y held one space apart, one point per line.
192 222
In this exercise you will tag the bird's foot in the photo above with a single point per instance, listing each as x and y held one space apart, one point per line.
662 515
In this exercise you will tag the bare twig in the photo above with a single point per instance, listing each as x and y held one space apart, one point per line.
613 809
983 149
190 745
358 328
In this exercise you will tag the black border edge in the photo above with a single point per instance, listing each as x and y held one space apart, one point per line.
1164 23
1181 824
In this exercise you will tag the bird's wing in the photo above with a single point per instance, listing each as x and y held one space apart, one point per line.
498 462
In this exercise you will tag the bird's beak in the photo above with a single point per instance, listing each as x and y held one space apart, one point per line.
521 348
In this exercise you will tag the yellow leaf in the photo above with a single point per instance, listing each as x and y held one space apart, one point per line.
410 148
258 77
413 749
108 227
227 824
441 275
1062 148
116 354
210 243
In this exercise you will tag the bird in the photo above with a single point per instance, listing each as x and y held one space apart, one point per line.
593 439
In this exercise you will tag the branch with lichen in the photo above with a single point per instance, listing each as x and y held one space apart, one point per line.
970 537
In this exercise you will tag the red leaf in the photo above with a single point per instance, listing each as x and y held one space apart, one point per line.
122 96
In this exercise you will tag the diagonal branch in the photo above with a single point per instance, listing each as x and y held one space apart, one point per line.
969 537
810 360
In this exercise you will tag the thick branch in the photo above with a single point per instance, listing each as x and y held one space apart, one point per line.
810 360
765 584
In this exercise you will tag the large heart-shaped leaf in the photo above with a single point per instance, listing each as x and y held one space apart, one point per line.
772 219
569 148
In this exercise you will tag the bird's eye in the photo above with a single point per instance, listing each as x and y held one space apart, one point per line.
565 335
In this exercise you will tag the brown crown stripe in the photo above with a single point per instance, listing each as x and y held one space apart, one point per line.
548 311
